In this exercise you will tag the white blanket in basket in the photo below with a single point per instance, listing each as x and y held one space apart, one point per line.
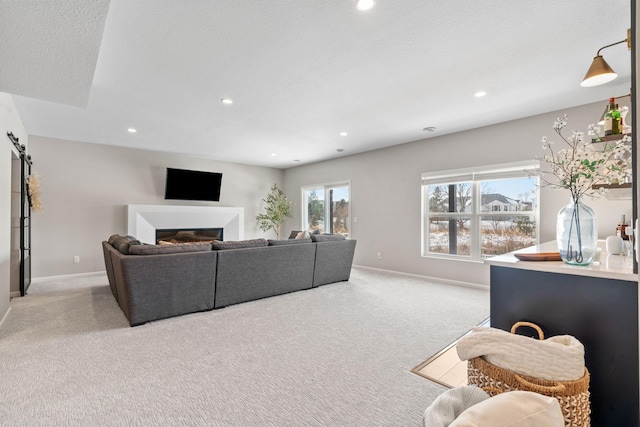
559 358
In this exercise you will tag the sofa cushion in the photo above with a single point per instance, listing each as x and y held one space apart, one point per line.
168 249
240 244
288 242
327 237
123 243
116 236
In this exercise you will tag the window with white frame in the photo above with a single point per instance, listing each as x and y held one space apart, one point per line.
327 208
481 212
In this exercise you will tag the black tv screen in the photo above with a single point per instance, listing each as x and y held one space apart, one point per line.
183 184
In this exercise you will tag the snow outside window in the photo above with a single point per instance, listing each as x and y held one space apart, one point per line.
481 212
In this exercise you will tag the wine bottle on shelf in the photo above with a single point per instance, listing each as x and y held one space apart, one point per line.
621 229
612 120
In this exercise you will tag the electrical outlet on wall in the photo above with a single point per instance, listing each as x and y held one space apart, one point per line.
379 255
76 259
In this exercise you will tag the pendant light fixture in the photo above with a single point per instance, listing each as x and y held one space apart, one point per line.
600 72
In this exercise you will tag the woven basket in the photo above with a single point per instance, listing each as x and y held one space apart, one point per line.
572 395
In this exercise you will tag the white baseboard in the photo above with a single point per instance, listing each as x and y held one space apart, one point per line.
66 276
6 315
435 279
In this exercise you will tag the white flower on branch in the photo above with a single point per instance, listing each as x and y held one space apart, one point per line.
582 164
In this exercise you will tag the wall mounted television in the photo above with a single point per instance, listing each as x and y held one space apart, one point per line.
183 184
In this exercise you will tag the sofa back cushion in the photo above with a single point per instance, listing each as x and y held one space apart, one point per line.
327 237
123 243
288 242
168 249
240 244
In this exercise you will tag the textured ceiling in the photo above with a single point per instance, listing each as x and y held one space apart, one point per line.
50 48
299 72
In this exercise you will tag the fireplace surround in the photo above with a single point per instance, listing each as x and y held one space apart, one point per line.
144 220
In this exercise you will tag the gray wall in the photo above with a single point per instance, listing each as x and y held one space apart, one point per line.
86 188
9 122
386 194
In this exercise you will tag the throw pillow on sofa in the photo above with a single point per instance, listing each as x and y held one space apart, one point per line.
295 233
303 235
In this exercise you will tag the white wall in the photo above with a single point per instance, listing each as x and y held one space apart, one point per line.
86 188
9 122
386 194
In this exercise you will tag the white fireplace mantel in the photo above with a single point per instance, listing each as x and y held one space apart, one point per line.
143 220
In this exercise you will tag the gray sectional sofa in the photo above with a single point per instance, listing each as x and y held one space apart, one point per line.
154 282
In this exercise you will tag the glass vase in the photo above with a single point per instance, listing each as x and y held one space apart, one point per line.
577 233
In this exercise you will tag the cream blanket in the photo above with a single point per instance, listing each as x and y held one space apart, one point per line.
559 358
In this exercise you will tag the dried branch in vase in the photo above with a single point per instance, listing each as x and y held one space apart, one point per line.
33 186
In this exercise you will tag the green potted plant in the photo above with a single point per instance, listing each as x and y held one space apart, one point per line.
278 209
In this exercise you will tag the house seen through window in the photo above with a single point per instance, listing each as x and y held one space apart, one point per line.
476 214
326 208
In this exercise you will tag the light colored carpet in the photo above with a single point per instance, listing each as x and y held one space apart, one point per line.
338 355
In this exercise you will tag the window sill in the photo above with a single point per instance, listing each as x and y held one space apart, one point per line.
454 258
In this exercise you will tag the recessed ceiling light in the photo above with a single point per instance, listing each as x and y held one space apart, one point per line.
273 154
340 150
226 101
132 130
429 129
365 4
480 94
343 134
